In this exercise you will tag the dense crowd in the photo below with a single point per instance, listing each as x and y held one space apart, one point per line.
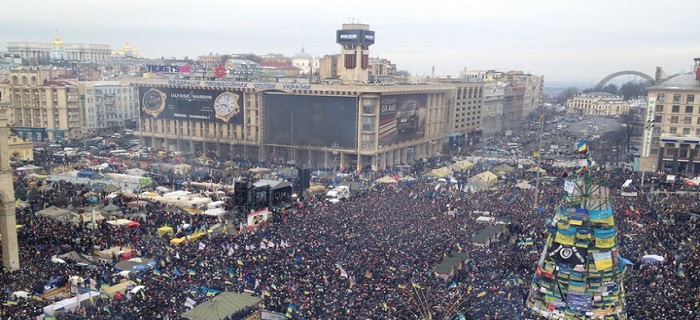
369 258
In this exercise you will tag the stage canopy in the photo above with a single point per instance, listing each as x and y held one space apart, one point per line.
221 306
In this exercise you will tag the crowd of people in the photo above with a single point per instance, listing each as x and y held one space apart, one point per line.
367 258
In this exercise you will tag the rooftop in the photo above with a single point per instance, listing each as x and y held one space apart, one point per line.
683 81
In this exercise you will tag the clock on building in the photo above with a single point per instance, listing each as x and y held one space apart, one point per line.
153 102
226 106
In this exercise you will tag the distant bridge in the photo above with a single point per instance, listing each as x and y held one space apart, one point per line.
605 80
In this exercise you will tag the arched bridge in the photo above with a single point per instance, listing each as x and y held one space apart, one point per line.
605 80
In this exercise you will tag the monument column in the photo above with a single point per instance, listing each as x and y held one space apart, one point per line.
8 222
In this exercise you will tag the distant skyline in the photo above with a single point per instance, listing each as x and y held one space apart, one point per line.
566 41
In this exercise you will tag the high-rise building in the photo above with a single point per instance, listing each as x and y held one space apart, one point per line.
463 124
492 114
671 139
42 108
355 39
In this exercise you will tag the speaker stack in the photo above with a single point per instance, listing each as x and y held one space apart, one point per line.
304 178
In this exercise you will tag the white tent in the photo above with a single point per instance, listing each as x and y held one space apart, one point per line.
536 169
218 212
653 258
70 303
386 179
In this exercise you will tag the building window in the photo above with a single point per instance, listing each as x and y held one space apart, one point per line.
676 98
655 140
676 109
656 130
661 97
687 120
688 109
690 98
658 119
697 132
659 108
673 130
655 151
686 131
674 119
670 151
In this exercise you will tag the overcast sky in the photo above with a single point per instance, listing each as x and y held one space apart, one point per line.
581 41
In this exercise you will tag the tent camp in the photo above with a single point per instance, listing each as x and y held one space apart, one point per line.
70 303
462 166
486 177
221 306
56 213
523 185
442 173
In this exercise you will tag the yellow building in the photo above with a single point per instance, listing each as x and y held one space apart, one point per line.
671 140
20 149
41 108
598 104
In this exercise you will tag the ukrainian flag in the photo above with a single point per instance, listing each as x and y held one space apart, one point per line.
565 236
603 260
582 146
604 238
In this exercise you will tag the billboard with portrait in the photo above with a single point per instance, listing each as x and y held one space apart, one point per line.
317 121
191 104
402 118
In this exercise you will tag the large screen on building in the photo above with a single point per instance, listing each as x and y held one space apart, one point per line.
191 104
402 118
319 121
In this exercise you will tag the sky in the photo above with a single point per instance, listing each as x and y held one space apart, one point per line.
566 41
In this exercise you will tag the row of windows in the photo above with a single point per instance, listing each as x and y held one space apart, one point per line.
676 109
677 98
676 119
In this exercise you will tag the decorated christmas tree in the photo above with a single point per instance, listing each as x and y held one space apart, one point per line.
579 273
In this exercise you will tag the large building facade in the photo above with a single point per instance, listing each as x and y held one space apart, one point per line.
316 125
598 104
492 122
42 109
41 52
108 106
671 139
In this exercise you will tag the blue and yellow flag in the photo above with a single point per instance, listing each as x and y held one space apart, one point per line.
582 146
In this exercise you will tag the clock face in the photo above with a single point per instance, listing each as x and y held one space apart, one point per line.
153 100
226 104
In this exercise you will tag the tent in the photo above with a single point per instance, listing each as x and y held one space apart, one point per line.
55 213
70 303
523 185
134 265
503 168
443 172
537 169
260 170
111 209
487 177
221 306
463 166
386 179
110 188
121 287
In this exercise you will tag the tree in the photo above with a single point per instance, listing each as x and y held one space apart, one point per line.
403 73
633 89
567 94
631 126
610 88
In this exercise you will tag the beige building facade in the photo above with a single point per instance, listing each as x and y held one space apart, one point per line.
41 109
598 104
20 149
671 140
315 125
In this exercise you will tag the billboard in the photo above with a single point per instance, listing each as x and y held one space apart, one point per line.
317 121
191 104
402 118
356 37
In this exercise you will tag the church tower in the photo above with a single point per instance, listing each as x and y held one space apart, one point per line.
8 222
355 39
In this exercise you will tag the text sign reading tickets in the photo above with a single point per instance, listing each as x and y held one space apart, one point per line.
191 104
319 121
402 118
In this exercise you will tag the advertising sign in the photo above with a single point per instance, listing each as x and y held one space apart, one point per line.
319 121
402 118
357 37
191 104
